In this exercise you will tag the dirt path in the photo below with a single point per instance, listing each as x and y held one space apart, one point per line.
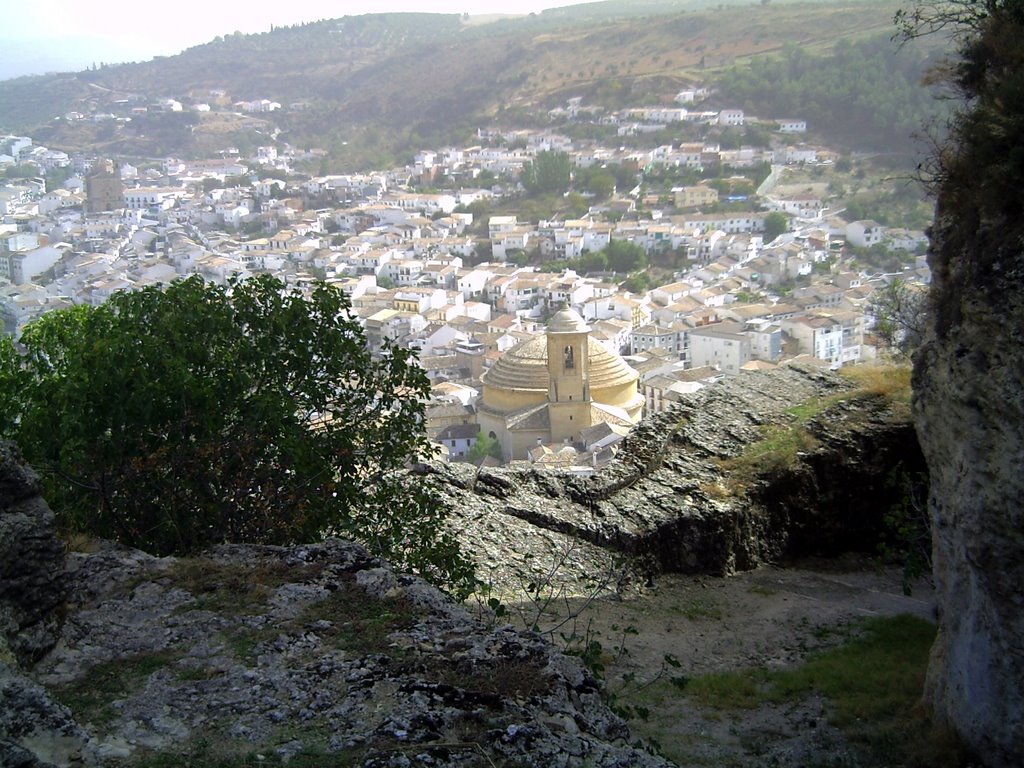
771 617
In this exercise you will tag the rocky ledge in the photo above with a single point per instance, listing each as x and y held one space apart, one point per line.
318 654
755 469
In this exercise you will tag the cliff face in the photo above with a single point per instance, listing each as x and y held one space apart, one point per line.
969 399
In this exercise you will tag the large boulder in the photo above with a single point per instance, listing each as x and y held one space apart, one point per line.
33 586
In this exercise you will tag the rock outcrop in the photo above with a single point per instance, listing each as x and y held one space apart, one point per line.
33 588
684 496
32 583
969 397
318 652
969 392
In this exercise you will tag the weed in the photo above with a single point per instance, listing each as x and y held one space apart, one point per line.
242 642
700 607
889 381
358 622
89 696
779 447
776 451
873 683
231 587
907 537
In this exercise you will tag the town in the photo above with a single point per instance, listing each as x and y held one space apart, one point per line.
690 261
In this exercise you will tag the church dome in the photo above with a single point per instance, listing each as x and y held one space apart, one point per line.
525 367
568 321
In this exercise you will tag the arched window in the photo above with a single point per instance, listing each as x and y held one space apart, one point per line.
568 359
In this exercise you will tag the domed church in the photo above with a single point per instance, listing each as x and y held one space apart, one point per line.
550 388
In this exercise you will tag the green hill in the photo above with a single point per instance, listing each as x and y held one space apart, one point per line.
368 88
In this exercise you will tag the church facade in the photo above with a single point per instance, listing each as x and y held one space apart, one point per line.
549 389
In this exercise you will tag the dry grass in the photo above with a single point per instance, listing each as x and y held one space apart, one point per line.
889 381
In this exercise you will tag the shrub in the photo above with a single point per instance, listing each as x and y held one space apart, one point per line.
175 419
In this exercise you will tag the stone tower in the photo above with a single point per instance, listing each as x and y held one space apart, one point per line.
568 375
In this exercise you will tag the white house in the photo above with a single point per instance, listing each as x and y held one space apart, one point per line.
732 117
723 346
865 233
459 438
792 126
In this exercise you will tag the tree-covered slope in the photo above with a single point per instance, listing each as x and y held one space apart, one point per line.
383 83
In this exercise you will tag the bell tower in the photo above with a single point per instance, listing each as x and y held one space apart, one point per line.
568 375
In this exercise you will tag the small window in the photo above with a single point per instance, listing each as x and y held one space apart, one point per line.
568 359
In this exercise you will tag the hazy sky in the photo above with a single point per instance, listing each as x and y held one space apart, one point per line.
55 34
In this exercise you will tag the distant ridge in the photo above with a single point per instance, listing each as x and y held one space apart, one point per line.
412 78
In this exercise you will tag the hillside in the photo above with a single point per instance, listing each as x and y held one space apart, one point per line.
392 81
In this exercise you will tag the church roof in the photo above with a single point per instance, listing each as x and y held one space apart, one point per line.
526 367
567 321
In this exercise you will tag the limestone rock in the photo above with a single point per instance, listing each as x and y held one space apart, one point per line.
35 731
312 650
968 385
969 381
671 501
32 581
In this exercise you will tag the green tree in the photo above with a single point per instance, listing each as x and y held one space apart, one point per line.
10 382
775 223
172 420
593 262
636 283
624 256
600 182
900 311
483 447
23 171
549 172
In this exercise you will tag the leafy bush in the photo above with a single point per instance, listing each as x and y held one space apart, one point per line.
175 419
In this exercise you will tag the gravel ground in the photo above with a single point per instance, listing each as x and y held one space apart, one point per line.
770 617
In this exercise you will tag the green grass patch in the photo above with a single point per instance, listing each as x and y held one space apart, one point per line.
878 673
892 382
699 607
359 622
89 697
776 451
873 683
241 642
233 588
780 445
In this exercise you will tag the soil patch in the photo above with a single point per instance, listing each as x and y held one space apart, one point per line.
684 627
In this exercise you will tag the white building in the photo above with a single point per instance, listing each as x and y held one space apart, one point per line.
865 233
722 346
732 117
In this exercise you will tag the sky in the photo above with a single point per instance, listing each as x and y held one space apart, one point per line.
41 35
